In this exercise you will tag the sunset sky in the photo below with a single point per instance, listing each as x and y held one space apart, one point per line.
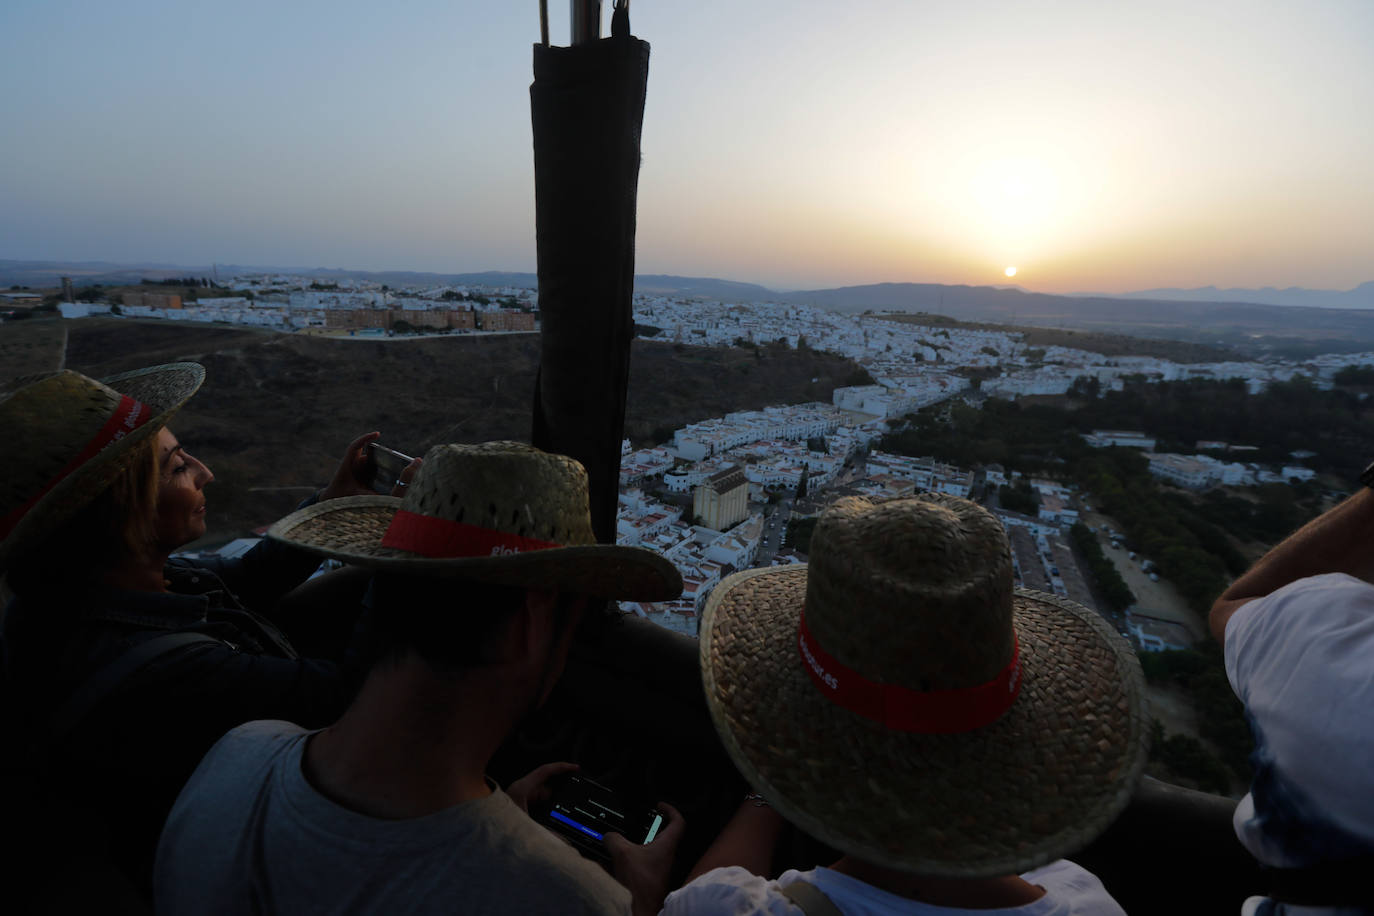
1093 146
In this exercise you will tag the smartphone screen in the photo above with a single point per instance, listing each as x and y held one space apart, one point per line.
585 811
387 465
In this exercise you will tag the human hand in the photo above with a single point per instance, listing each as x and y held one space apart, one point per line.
407 475
351 477
354 474
534 786
646 869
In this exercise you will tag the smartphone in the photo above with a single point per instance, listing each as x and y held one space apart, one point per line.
583 812
386 465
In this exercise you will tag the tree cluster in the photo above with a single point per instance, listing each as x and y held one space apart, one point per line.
1086 387
178 281
1284 418
1275 512
1110 586
1221 717
1188 760
1191 553
1355 375
1019 497
1191 538
798 534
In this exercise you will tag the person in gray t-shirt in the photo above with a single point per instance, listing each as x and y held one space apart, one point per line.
471 609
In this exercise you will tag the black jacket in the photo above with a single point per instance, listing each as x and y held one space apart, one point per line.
126 759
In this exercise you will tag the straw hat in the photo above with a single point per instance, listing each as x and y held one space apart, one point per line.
500 512
900 701
67 436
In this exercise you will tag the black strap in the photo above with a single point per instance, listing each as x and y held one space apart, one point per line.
810 898
101 684
620 19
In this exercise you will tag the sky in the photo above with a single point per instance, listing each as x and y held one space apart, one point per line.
1092 146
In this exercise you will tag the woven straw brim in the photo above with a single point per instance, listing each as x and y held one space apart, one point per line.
351 530
1040 782
163 389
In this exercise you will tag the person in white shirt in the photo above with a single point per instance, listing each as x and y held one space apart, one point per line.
898 699
1297 632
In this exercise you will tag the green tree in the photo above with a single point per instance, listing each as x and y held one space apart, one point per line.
798 534
1110 586
1086 386
1354 375
1221 717
1019 498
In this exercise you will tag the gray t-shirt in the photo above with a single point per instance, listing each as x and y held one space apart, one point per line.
249 834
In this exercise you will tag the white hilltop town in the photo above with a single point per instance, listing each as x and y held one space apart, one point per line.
718 497
755 464
346 308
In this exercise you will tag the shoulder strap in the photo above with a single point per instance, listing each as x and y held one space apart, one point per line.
99 685
810 898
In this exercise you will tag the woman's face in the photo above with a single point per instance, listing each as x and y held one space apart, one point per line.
180 502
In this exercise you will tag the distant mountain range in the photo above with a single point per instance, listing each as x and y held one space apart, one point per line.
1251 328
49 273
1361 297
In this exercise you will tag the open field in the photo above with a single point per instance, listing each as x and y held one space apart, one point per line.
31 346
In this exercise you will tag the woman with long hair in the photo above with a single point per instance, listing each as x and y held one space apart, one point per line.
123 665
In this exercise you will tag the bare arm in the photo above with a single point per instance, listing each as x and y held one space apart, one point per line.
1341 540
747 841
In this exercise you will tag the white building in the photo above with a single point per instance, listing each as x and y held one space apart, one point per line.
1102 438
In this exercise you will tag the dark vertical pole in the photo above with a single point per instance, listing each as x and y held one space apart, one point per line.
587 104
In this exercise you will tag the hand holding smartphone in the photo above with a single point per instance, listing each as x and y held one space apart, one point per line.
385 466
584 811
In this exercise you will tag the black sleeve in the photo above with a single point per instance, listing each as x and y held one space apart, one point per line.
262 575
224 687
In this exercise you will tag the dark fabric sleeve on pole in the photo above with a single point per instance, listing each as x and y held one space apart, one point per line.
587 104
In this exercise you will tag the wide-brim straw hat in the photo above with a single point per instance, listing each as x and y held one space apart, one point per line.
499 512
69 437
915 596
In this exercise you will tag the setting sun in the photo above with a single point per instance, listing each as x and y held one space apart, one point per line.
1010 271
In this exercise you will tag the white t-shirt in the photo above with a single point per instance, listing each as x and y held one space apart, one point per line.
1069 891
1301 659
249 834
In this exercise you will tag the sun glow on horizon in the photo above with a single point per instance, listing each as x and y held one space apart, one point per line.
1010 271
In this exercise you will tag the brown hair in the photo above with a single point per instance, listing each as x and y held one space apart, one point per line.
117 527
